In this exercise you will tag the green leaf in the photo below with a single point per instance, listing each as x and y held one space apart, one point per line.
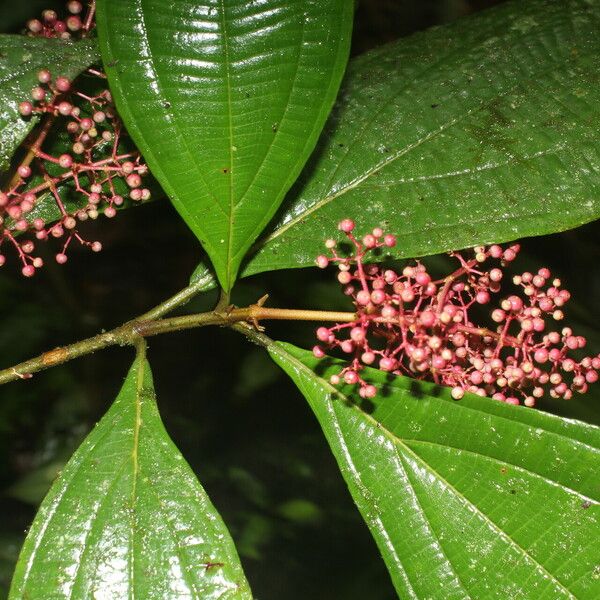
226 100
127 518
468 499
484 130
21 58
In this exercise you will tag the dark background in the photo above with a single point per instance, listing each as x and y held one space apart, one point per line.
241 424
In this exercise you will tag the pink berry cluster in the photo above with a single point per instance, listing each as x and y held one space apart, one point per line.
409 323
96 167
77 23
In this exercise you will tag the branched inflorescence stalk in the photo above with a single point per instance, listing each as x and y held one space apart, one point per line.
408 323
95 170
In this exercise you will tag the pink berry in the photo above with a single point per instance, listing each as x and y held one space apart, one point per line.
457 392
35 26
110 212
422 278
368 357
65 161
495 251
322 261
49 16
61 258
38 93
25 109
133 180
74 7
44 76
86 124
387 364
323 334
64 108
498 315
347 225
363 298
24 171
369 391
389 241
351 377
318 352
482 297
74 23
62 84
378 296
344 277
28 271
357 334
96 246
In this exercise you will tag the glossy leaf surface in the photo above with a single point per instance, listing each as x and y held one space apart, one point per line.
127 518
484 130
226 100
21 58
468 499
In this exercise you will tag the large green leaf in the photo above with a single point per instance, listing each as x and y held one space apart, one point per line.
127 518
469 499
226 99
484 130
21 58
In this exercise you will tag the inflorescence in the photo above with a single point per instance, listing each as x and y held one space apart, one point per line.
95 166
408 323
